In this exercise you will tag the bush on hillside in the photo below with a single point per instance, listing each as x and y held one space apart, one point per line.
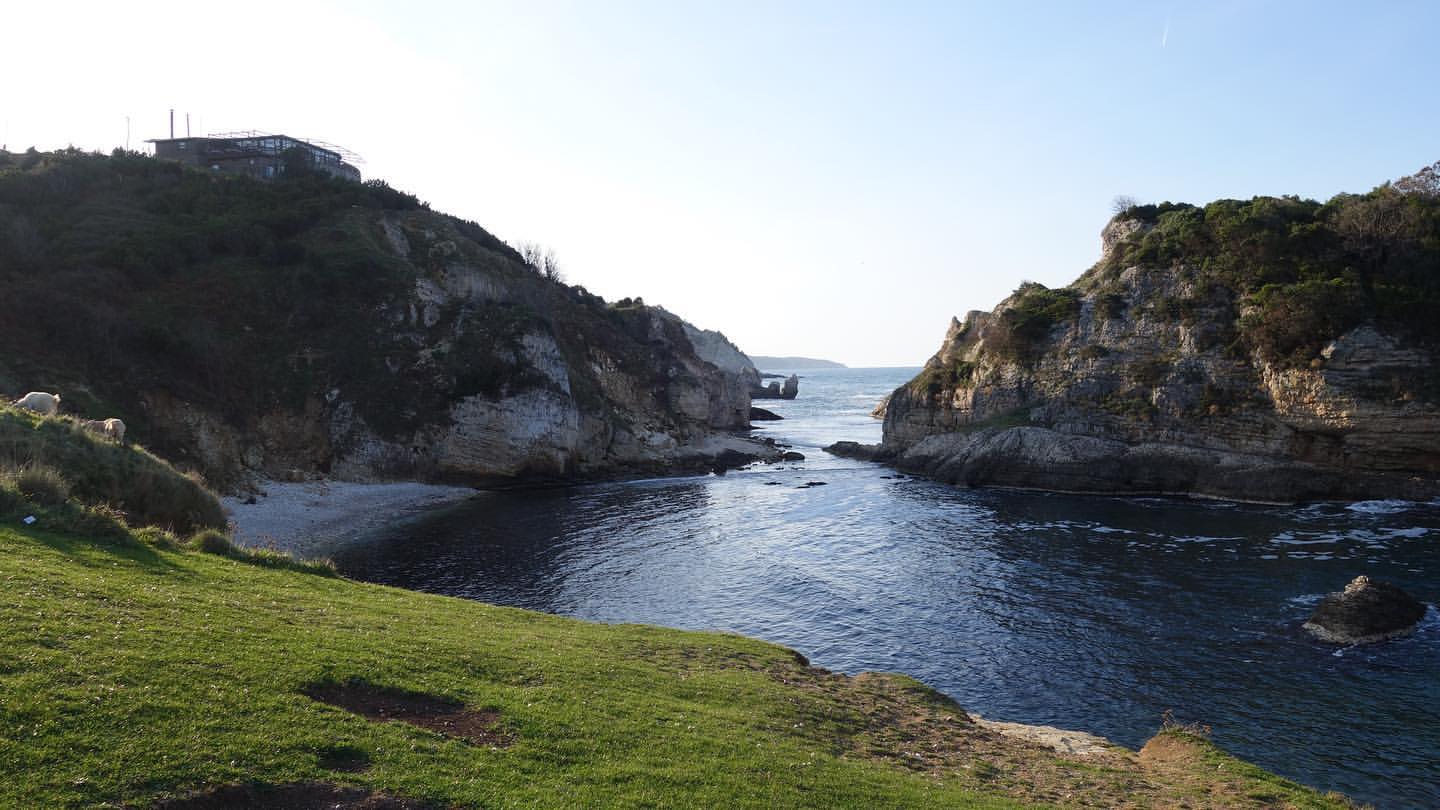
55 452
212 541
1034 311
40 484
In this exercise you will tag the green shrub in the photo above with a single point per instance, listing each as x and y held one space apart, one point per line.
932 380
1109 306
157 537
1034 312
212 541
41 484
1290 324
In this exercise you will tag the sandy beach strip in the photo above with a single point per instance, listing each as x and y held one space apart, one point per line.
311 519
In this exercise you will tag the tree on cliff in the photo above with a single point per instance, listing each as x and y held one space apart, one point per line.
542 260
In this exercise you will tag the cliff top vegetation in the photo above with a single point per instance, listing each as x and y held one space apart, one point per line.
1303 272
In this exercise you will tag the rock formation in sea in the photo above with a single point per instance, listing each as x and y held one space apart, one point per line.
312 325
788 390
1366 611
1270 350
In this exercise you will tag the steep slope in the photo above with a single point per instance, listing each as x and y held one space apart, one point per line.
317 325
1275 350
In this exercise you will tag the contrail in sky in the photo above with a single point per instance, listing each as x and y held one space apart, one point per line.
1165 35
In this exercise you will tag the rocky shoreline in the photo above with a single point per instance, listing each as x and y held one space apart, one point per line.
1039 458
309 518
1148 377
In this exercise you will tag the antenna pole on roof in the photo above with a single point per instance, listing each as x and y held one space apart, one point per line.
187 125
172 123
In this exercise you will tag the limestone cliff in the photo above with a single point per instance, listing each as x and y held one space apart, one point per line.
314 326
1191 360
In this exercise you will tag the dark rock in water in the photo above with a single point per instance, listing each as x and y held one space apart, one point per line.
762 415
809 484
730 460
864 452
791 455
1366 611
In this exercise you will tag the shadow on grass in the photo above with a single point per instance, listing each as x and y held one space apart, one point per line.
95 552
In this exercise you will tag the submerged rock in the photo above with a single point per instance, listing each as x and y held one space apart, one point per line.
1366 611
863 452
762 415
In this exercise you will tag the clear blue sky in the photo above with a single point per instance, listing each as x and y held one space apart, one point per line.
828 179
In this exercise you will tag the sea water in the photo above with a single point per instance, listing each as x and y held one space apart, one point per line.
1091 613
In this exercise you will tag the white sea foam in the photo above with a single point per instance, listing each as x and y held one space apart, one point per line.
1309 539
1202 538
1385 507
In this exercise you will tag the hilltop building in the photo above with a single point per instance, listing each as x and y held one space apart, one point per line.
256 154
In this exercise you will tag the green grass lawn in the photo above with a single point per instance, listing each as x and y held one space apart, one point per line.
133 671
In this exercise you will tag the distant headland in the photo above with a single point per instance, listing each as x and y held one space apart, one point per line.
763 362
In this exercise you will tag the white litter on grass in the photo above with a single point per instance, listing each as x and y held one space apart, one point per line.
28 519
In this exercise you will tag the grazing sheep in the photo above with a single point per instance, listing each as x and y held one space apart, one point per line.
39 402
115 429
96 426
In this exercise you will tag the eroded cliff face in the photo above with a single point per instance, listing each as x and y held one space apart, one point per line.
1133 380
480 371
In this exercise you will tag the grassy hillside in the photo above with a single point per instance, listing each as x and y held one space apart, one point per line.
72 474
232 322
135 672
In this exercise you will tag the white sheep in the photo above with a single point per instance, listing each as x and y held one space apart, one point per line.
115 429
39 402
96 426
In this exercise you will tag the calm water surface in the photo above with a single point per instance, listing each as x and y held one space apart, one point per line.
1089 613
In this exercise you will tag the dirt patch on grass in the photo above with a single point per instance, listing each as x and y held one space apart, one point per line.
438 714
343 758
297 796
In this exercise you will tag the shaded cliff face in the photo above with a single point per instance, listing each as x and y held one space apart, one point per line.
1196 373
320 326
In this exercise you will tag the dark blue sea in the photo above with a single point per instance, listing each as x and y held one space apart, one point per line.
1089 613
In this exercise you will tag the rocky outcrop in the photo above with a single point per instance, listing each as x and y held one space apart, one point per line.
774 390
582 389
714 348
1366 611
1139 378
762 415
